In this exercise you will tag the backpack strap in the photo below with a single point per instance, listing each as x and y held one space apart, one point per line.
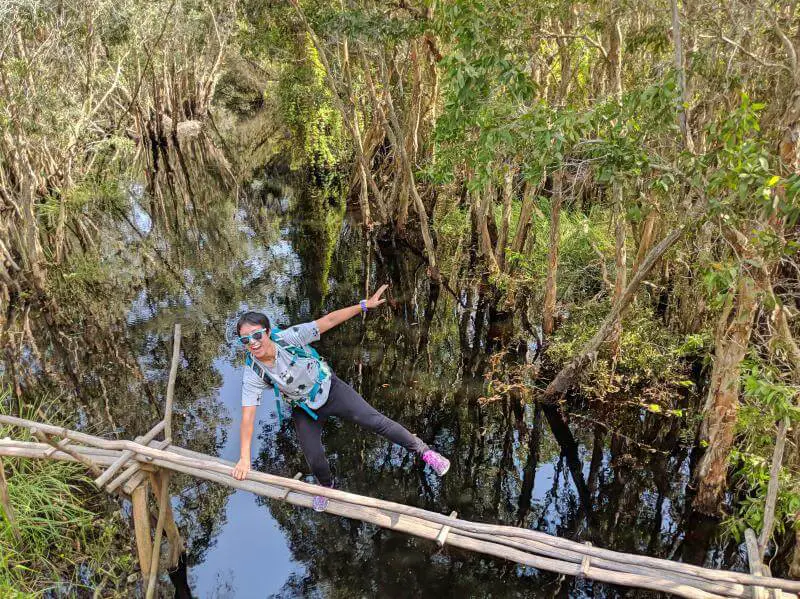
264 375
307 352
267 378
275 337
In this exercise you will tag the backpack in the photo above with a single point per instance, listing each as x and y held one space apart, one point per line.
297 351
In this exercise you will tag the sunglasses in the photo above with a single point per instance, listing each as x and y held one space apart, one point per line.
254 336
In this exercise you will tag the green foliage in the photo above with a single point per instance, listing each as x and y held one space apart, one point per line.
61 543
742 183
694 344
650 357
765 401
305 104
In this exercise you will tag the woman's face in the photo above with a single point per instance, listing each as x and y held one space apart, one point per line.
260 348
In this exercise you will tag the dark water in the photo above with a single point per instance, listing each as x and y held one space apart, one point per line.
609 474
606 473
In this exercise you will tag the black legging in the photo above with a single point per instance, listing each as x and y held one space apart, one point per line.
344 402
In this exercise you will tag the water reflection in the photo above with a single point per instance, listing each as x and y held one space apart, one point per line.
200 250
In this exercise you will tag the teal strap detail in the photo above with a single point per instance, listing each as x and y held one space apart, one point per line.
278 405
264 375
308 410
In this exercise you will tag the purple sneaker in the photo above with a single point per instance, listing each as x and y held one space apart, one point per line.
320 503
438 462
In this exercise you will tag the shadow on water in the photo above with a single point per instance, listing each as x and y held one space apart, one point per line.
602 473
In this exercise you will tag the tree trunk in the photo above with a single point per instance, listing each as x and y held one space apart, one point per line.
621 264
502 238
773 487
615 55
482 204
363 196
684 98
645 239
549 307
525 213
722 403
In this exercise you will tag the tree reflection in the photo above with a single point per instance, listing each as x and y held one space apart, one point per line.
595 473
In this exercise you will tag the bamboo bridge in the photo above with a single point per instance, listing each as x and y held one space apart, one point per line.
127 468
129 464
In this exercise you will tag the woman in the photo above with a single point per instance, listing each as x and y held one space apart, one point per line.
282 361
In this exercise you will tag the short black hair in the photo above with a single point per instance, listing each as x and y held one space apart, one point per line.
256 318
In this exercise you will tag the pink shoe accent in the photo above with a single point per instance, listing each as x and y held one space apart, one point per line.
438 462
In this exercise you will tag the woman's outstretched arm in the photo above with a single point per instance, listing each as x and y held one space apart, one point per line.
245 440
327 322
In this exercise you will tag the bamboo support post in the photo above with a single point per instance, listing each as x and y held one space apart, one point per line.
442 536
176 545
141 527
5 503
106 476
173 373
164 475
754 560
162 514
773 593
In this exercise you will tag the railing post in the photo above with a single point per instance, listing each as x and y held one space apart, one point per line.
141 527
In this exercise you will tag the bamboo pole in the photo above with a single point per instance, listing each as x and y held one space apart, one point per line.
176 544
754 560
441 538
5 503
772 488
44 438
162 514
619 571
101 480
141 528
728 589
131 471
62 443
773 593
173 373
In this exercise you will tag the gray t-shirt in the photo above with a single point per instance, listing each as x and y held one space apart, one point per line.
294 381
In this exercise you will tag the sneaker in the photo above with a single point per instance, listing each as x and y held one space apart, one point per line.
320 503
438 462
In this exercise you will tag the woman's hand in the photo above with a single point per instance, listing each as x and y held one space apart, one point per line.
241 469
376 299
